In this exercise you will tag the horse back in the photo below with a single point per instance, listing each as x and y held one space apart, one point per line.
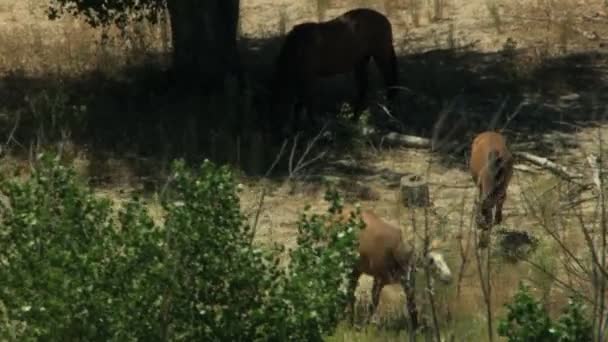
381 248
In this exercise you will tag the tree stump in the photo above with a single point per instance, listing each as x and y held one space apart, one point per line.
414 192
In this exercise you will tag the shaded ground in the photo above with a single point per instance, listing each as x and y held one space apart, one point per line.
145 115
127 128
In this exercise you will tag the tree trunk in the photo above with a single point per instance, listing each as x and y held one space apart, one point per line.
204 34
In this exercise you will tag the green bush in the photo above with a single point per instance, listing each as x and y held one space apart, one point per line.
314 289
75 268
527 320
71 269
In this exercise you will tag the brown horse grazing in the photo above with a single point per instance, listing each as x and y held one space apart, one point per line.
337 46
389 260
491 166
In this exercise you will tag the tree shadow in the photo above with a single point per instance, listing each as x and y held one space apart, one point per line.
468 92
450 95
148 118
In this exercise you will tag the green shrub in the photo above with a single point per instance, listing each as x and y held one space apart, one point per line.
74 268
56 250
315 286
572 325
527 320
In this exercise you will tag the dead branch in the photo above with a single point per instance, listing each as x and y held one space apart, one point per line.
593 162
293 153
462 248
572 204
588 235
484 281
429 288
524 168
412 141
590 35
558 281
302 162
549 165
11 136
404 140
264 191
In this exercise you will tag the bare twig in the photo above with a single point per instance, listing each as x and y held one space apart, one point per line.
391 116
513 115
557 280
595 165
429 281
293 152
484 281
11 136
302 162
462 248
264 191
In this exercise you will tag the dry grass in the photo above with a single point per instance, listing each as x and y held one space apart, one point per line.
33 45
460 315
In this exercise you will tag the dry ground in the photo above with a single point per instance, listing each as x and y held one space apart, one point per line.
33 45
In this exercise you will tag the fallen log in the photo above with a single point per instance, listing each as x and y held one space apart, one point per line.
545 163
524 168
412 141
404 140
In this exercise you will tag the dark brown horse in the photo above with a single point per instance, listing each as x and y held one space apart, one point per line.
337 46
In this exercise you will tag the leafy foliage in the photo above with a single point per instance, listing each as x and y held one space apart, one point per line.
103 12
75 268
527 320
70 270
572 325
316 281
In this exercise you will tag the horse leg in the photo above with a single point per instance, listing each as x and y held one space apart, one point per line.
387 63
501 196
484 214
500 201
376 290
352 286
362 81
484 220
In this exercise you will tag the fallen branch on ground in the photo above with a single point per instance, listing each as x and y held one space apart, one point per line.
406 140
411 141
524 168
549 165
302 163
594 164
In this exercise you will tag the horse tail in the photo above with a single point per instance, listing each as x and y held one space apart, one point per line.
495 169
